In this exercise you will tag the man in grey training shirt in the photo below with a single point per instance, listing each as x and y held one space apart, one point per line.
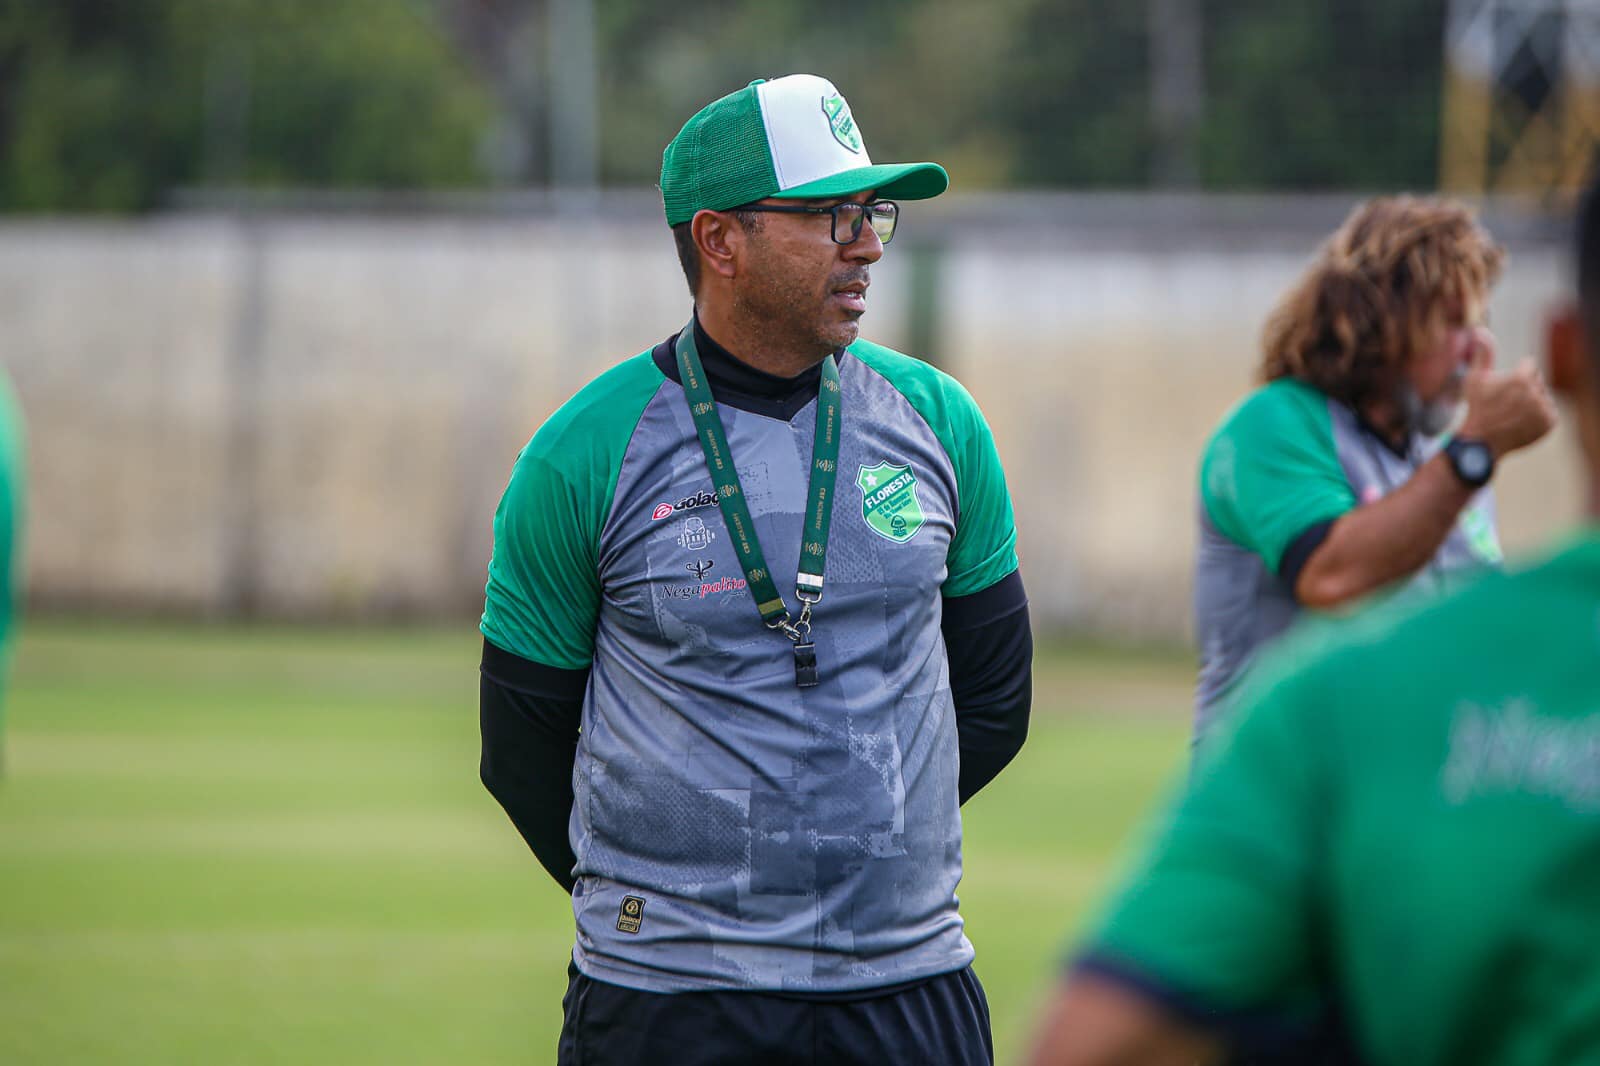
754 629
1329 481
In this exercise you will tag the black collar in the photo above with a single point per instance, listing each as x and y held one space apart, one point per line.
737 383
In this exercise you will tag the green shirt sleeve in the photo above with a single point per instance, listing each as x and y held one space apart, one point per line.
1219 913
984 547
1272 470
13 497
13 494
542 600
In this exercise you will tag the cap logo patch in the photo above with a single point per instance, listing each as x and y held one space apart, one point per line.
841 122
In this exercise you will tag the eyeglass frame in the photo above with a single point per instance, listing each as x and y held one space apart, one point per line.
833 229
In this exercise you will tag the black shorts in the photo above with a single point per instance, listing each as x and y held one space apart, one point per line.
943 1021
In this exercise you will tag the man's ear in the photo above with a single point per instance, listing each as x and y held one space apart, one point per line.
1566 353
720 239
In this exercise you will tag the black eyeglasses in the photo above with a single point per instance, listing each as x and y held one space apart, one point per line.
847 217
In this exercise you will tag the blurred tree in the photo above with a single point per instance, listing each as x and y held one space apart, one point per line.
501 39
109 104
354 93
90 110
920 74
1337 94
1317 95
1079 95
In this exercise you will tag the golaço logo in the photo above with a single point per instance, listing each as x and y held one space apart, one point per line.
688 503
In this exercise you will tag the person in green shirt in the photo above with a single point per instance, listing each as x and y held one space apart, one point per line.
1391 852
12 485
1330 480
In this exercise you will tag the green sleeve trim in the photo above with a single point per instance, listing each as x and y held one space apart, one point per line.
1272 470
13 512
984 548
542 599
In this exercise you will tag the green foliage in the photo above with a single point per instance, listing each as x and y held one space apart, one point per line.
372 97
90 113
1328 95
110 105
1079 90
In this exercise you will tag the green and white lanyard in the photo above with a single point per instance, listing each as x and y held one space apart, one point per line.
736 513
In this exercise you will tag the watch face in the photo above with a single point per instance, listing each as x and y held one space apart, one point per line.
1472 461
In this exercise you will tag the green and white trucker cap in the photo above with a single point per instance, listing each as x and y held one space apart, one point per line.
792 138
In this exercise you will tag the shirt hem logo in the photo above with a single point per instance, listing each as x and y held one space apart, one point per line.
630 916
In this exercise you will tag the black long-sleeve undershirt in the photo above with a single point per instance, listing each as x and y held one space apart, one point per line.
529 715
989 641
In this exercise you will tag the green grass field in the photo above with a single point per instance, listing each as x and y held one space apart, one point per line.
270 846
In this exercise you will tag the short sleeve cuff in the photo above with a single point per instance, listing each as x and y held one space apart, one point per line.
1302 548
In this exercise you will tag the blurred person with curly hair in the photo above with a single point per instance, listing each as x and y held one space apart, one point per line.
1335 478
1390 853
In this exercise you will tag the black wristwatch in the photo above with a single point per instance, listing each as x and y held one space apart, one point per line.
1471 459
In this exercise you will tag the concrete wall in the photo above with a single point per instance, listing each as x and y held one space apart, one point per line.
313 416
1105 373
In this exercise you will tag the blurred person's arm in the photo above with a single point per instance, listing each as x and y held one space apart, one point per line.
1384 541
1270 477
529 717
1093 1022
989 642
1212 942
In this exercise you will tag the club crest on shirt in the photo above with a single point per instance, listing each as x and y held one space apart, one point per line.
889 501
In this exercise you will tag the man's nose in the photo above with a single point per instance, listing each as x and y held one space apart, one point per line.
867 248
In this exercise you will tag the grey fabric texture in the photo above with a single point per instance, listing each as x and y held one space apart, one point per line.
778 838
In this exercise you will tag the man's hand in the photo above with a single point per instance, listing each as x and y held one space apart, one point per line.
1506 410
1381 542
1094 1022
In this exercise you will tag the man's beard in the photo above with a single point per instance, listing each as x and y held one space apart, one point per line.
791 310
1434 417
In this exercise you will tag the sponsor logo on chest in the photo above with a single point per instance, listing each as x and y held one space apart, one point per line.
703 585
688 503
695 535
